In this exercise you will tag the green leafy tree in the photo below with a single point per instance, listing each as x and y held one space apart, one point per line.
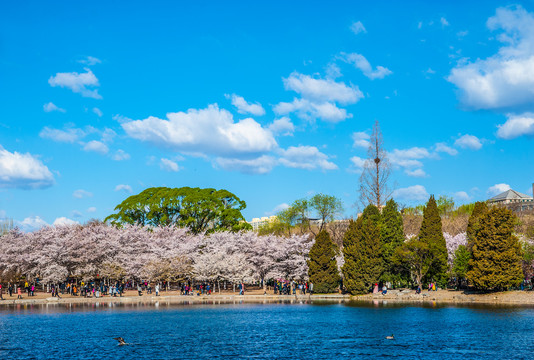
445 205
301 207
322 265
288 218
480 208
527 262
200 210
431 234
415 257
496 259
460 264
327 207
391 238
361 250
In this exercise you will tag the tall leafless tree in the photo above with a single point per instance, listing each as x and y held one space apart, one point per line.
376 170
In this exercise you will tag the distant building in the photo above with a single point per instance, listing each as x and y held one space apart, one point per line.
256 223
513 200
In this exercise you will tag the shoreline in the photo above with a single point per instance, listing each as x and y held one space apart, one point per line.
446 297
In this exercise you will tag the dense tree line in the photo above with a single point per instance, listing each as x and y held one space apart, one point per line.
100 251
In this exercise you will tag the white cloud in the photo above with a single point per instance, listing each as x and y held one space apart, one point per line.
63 221
24 171
444 21
124 187
98 112
462 33
415 173
333 71
412 193
361 139
360 62
462 196
79 194
517 125
309 110
244 107
261 165
357 164
77 82
31 223
91 209
76 214
96 146
305 157
409 158
357 27
498 189
442 147
120 155
318 98
49 107
168 165
282 126
90 60
469 142
69 135
322 90
205 131
505 79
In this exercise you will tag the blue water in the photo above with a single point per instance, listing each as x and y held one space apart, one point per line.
266 331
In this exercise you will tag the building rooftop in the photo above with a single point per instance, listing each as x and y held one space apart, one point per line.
510 195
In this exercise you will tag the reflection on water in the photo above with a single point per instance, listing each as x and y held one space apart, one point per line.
270 330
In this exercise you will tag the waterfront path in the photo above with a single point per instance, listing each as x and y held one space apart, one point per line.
393 296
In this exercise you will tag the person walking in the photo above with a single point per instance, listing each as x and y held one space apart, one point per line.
139 290
1 292
157 289
19 293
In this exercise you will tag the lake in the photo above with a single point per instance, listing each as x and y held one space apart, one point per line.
317 330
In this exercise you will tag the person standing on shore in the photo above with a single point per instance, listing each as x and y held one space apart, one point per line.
19 293
1 292
157 289
10 289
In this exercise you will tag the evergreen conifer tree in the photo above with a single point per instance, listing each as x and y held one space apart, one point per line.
322 265
361 250
480 209
496 255
431 234
391 237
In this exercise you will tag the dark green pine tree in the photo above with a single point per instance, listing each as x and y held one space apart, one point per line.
496 255
431 233
480 209
391 237
361 250
322 265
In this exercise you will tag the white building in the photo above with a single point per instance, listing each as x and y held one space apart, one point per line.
513 200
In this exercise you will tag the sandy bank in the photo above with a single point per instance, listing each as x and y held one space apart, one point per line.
394 296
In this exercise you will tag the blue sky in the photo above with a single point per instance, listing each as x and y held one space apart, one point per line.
272 101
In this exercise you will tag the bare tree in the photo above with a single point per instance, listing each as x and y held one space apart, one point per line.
376 170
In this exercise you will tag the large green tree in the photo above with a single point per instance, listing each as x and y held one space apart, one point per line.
496 254
326 207
391 238
431 234
361 250
200 210
460 264
479 209
415 258
322 265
